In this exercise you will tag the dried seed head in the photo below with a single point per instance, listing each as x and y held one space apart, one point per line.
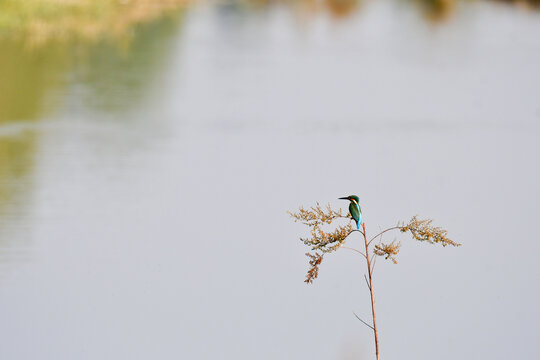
313 272
389 251
316 215
422 230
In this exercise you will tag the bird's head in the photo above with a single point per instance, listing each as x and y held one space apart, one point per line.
351 198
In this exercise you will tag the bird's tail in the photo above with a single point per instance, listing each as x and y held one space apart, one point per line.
358 225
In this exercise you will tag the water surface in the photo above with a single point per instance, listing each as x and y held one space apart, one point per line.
143 185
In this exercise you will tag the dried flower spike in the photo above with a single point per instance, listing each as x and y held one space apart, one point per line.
316 215
389 251
314 263
422 230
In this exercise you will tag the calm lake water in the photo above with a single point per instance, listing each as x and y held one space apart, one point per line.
144 185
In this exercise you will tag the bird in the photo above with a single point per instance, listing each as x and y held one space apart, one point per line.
354 209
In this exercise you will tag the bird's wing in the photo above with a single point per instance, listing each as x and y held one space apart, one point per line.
355 213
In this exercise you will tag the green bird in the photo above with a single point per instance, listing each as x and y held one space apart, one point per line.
354 209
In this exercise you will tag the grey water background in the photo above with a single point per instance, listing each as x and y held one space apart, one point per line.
144 190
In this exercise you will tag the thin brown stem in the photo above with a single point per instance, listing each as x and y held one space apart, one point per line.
353 249
355 230
374 258
370 276
382 232
367 282
365 323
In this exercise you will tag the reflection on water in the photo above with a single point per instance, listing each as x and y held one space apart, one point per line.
114 74
117 78
103 77
337 8
434 10
17 158
27 78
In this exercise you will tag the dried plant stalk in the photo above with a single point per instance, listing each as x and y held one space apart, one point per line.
322 242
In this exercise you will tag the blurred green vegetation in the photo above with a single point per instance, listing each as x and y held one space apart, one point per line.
17 157
27 77
116 70
39 21
113 75
44 41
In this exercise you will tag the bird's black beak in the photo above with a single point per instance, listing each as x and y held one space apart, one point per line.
344 198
